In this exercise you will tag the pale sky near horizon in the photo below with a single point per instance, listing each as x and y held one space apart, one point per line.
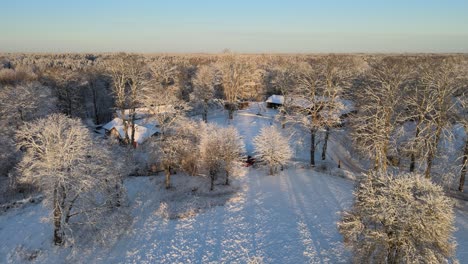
257 26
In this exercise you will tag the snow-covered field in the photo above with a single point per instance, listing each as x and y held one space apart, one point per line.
287 218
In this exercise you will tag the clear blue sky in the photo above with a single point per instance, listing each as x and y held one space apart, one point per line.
240 25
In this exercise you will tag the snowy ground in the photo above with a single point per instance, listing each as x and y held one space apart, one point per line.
288 218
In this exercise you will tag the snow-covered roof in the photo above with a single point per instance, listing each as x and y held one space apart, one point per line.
115 122
143 130
275 99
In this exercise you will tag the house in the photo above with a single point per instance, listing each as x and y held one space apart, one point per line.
275 101
143 130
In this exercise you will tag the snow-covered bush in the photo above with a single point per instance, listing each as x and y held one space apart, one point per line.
221 150
404 219
272 148
76 174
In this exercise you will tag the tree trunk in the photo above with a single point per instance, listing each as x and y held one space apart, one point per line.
413 157
464 168
168 177
231 112
325 143
95 107
312 147
227 178
431 154
21 114
132 120
212 179
413 163
205 112
271 170
126 139
58 232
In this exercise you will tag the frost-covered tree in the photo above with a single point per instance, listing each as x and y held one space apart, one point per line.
379 108
24 102
441 80
403 219
272 148
178 149
67 86
337 76
221 150
203 89
76 174
128 73
161 94
238 75
311 104
20 103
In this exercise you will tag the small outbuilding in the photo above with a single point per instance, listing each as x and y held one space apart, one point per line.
275 101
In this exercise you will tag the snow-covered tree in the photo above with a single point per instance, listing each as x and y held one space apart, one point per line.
128 73
337 76
238 75
178 149
67 87
20 103
272 148
403 219
380 108
440 77
203 90
76 174
25 102
311 104
161 94
221 150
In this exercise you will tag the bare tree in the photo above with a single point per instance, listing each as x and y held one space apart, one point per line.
440 78
77 176
98 93
272 148
24 102
20 103
337 76
67 86
205 80
399 220
128 73
160 96
418 104
311 104
380 108
238 75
